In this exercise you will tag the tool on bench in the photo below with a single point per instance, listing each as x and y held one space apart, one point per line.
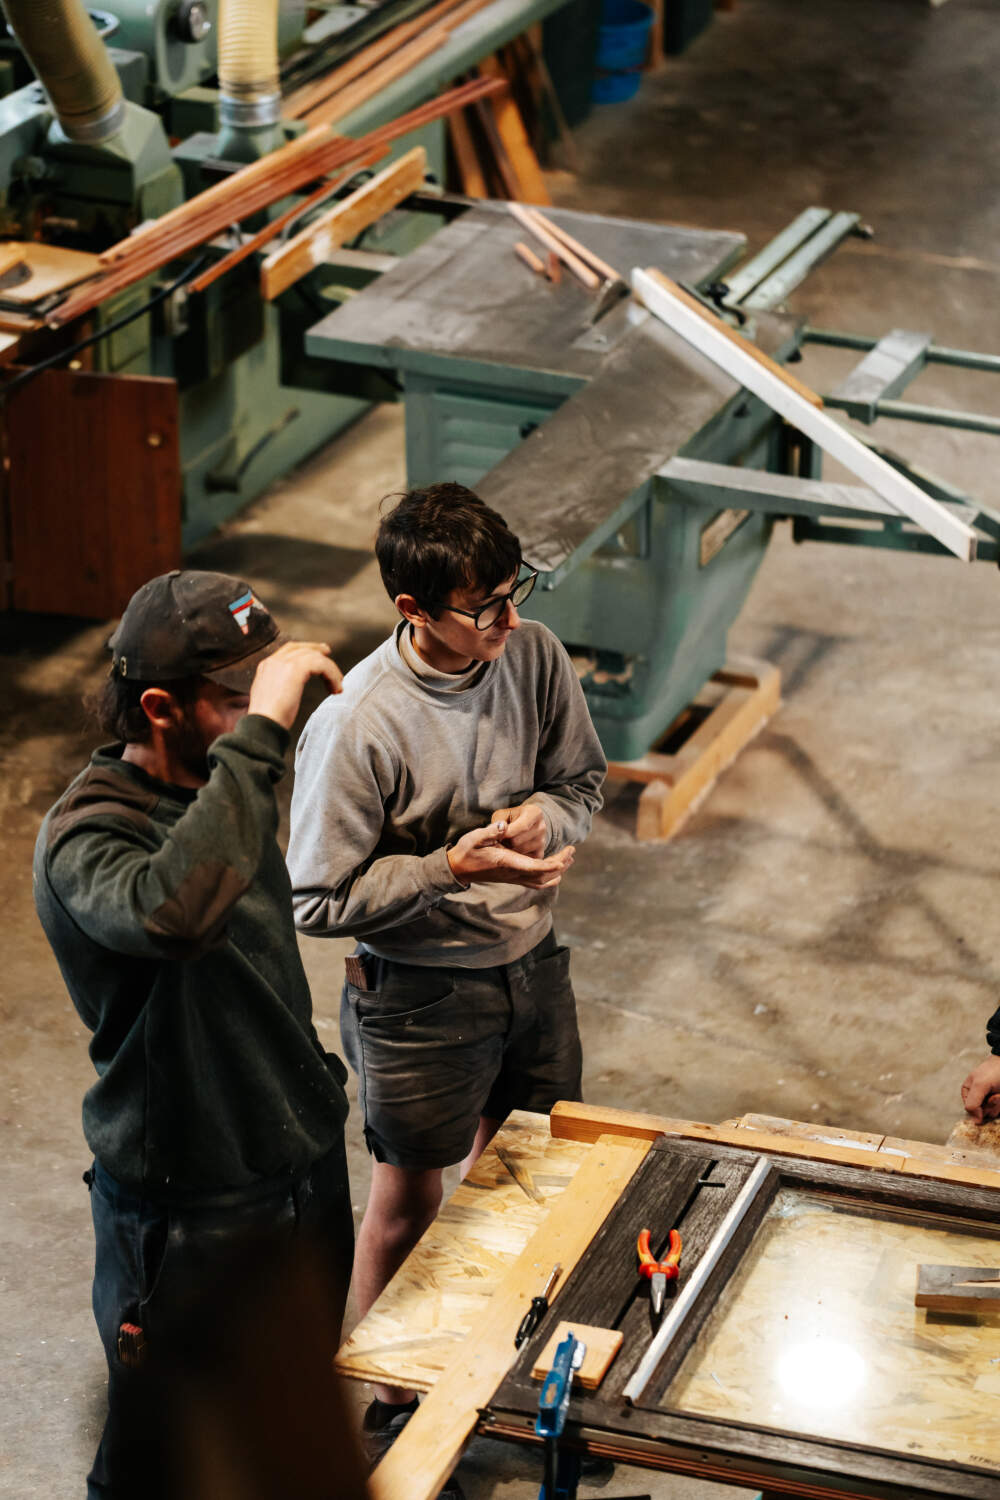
562 1466
562 1469
539 1307
659 1272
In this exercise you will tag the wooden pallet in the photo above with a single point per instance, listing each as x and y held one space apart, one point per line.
731 708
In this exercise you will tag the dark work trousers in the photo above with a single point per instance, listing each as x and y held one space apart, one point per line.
208 1285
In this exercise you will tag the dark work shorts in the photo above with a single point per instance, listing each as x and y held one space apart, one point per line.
436 1048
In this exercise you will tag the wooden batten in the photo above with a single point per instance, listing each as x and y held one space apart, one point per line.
346 219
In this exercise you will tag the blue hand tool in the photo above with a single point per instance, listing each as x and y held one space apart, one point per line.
562 1469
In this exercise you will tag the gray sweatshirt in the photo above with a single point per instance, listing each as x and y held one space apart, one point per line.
397 767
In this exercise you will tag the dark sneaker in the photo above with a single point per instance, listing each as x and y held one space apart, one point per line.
377 1441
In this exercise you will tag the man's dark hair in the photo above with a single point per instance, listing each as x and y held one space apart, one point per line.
442 538
117 708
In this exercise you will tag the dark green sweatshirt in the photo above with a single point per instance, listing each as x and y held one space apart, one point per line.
170 913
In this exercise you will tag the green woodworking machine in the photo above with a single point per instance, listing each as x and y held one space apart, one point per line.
642 474
111 117
643 478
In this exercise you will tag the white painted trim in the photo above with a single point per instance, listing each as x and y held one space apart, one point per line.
834 439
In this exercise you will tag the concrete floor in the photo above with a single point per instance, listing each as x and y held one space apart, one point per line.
818 941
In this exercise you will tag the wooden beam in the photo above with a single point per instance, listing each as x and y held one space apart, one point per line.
589 1122
510 128
742 361
470 171
958 1289
430 1444
310 247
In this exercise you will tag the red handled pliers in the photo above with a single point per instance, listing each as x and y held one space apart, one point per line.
659 1272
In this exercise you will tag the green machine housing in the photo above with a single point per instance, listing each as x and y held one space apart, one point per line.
643 481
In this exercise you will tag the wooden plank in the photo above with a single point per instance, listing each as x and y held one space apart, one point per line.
311 246
510 128
264 236
466 159
300 101
440 1293
534 223
740 360
12 253
53 269
83 546
676 784
426 1451
387 71
602 1346
586 1122
736 339
958 1289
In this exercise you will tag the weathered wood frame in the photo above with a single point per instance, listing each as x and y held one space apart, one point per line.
783 1462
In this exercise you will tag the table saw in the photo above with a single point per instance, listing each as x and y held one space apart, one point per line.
642 480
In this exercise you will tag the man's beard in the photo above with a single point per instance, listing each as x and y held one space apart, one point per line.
188 748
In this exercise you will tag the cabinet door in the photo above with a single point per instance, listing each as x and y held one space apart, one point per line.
93 490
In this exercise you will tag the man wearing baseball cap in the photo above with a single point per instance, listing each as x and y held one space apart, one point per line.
216 1119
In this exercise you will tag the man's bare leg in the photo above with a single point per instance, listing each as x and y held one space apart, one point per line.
401 1205
487 1130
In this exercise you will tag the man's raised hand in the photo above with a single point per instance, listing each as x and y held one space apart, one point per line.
483 855
280 680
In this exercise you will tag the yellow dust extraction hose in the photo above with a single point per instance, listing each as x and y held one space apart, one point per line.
249 89
60 41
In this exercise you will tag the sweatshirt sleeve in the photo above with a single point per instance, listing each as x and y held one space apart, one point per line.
172 899
344 775
570 767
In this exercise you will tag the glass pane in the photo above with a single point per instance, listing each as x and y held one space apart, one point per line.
817 1334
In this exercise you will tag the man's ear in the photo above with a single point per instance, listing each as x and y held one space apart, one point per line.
160 707
411 610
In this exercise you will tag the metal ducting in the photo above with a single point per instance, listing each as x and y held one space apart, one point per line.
249 87
61 43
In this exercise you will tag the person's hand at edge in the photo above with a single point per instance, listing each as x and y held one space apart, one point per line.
981 1091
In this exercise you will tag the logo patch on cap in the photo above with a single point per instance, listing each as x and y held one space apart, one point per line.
241 607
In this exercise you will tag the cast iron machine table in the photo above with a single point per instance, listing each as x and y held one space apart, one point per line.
614 449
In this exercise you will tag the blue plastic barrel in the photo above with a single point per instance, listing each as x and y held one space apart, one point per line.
622 44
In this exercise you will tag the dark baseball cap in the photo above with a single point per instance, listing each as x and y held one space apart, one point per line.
194 624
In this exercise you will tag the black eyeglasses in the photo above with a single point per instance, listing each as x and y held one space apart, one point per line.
489 613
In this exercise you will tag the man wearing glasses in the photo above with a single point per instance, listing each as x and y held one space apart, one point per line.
435 811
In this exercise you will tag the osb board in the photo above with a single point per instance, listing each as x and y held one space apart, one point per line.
439 1293
817 1334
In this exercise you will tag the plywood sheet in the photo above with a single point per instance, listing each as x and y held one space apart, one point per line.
817 1334
442 1289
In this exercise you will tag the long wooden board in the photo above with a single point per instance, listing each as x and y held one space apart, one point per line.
311 246
424 1454
590 1122
733 354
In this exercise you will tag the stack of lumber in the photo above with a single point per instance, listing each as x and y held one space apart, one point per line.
497 143
345 88
312 157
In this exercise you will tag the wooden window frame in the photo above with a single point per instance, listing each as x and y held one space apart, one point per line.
711 1448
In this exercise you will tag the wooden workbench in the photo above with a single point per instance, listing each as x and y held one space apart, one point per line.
439 1294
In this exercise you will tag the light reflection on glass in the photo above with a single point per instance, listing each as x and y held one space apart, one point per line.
821 1374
